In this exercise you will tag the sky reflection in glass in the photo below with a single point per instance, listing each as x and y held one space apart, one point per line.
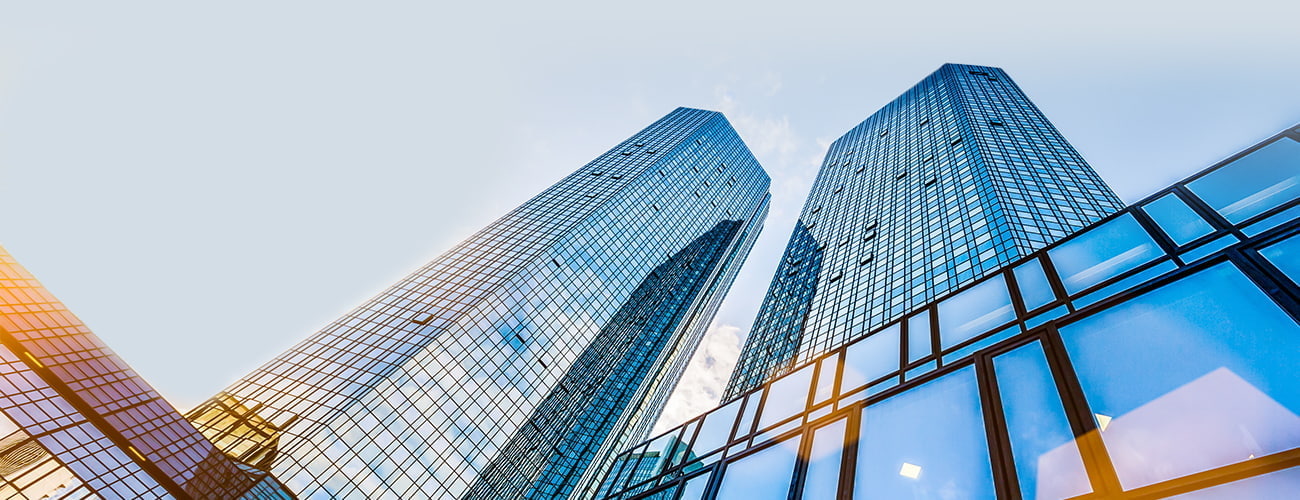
1177 219
870 359
1103 252
974 311
764 475
1253 184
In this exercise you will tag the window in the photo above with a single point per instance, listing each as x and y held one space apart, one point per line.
870 358
1177 219
1103 252
974 311
823 476
1047 460
763 475
1254 183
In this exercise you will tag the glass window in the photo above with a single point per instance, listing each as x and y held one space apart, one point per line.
786 397
1048 464
1034 288
716 429
1285 255
1177 219
694 489
925 443
746 423
974 311
871 358
1194 375
1253 184
823 476
1103 252
826 378
763 475
1281 484
918 336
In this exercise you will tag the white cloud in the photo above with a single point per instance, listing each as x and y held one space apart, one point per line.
705 378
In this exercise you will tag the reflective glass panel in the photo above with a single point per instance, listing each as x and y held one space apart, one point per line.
926 443
694 489
974 311
1285 255
1281 484
764 475
1253 184
871 358
1194 375
1177 219
918 336
786 397
1048 464
1034 288
823 476
826 378
746 423
716 429
1103 252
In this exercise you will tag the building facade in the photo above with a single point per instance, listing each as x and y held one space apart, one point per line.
541 345
77 422
954 179
1149 355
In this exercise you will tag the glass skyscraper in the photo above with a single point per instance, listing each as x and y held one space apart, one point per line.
77 422
541 345
952 180
1149 355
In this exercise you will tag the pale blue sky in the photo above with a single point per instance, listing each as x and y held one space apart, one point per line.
204 185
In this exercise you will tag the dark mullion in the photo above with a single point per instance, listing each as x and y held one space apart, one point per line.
1096 460
1276 284
1005 483
849 460
1054 279
1166 244
933 312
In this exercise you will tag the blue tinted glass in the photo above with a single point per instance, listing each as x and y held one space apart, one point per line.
746 423
1194 375
974 311
1103 252
765 475
918 336
716 429
1280 484
1048 464
1285 255
826 378
925 443
1177 219
823 476
1034 288
694 489
1253 184
786 397
1271 221
871 358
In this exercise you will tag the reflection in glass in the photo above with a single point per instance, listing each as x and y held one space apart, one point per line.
1281 484
1048 464
871 358
1194 375
825 379
1285 255
925 443
765 475
1034 288
1103 252
974 311
694 489
716 429
823 476
786 397
918 336
1253 184
1178 220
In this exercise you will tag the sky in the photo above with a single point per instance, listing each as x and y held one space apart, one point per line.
206 184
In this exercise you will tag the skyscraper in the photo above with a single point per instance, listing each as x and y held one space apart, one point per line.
77 422
955 178
1148 355
506 366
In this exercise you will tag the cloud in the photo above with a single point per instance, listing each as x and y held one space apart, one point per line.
705 377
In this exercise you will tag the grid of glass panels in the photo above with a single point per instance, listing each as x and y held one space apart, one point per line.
424 389
77 422
1133 359
955 178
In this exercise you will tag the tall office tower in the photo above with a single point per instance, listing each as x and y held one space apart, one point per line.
1151 354
77 422
952 180
507 365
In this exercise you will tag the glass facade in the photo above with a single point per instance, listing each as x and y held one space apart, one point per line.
542 345
77 422
1150 355
954 179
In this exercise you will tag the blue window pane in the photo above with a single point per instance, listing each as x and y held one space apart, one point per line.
925 443
1194 375
1285 255
1253 184
1103 252
1281 484
1048 464
1034 288
823 476
746 423
786 397
826 379
695 486
871 358
765 475
716 429
918 336
1177 219
974 311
